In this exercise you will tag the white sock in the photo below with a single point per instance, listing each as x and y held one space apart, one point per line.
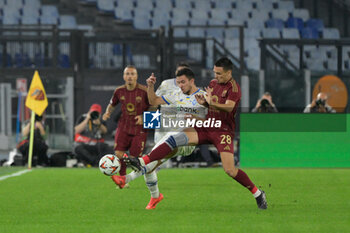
257 193
132 176
152 184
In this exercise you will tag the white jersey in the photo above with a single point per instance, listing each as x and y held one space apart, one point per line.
181 104
166 87
185 104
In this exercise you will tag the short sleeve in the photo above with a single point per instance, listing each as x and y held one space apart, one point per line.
115 99
233 95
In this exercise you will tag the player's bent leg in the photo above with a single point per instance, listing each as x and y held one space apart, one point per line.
182 138
119 181
241 177
228 164
120 155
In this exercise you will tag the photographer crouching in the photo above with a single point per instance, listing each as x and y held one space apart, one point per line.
89 145
319 105
265 104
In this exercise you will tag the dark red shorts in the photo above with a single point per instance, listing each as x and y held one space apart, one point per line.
221 139
134 143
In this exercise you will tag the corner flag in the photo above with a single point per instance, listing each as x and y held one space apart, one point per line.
37 102
36 98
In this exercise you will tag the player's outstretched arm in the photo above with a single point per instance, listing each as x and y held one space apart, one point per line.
153 99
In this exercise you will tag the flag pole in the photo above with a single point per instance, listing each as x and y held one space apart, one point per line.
31 140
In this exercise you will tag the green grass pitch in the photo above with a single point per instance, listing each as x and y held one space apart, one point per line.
195 200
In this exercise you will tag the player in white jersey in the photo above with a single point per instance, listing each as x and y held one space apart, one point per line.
166 87
185 106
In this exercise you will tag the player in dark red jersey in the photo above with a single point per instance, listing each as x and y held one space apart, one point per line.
130 134
222 99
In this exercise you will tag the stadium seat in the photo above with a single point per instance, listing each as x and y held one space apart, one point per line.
196 32
316 64
48 20
32 4
30 20
301 13
235 22
10 19
246 5
260 15
14 3
264 5
280 14
197 22
141 14
290 33
330 33
140 23
251 33
275 23
309 33
123 14
219 13
63 61
223 4
126 5
293 22
199 14
271 33
315 23
145 4
49 11
216 32
241 14
287 5
105 5
231 33
203 5
162 5
212 22
180 32
30 12
179 17
67 22
183 4
254 23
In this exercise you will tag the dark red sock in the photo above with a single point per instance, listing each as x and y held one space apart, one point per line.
244 180
158 153
122 170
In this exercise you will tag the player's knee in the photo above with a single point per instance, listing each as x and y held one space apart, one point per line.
232 172
179 139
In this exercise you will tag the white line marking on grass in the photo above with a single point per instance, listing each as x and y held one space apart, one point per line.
14 174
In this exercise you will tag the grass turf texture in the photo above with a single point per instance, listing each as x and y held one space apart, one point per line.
195 200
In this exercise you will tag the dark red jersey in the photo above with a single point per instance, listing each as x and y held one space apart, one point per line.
222 92
133 103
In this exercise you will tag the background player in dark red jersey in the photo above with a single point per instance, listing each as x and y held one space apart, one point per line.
222 99
130 134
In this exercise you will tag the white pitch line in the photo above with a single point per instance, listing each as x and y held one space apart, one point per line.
14 174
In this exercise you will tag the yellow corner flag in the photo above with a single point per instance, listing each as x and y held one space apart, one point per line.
36 98
37 102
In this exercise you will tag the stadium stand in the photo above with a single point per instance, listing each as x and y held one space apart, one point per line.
260 18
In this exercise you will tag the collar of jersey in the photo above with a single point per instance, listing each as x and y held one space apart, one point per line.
193 93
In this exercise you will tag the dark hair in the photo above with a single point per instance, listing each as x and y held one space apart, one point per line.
131 66
225 63
187 72
184 64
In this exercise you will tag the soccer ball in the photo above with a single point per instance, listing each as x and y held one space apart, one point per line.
109 165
